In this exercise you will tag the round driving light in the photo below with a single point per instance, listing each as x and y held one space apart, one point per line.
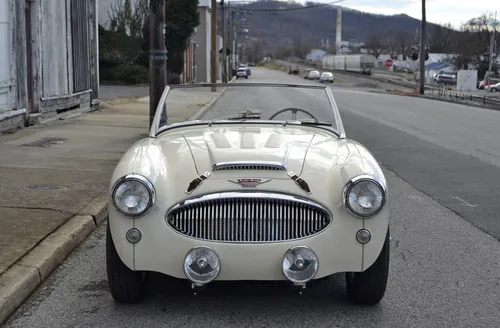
300 264
201 265
363 236
133 235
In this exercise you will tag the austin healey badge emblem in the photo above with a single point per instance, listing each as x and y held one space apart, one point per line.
249 183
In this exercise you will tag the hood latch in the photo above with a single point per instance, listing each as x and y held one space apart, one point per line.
196 182
300 182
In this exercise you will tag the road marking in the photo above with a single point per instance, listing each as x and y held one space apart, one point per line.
464 202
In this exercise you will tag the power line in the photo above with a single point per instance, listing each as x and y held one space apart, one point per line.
287 9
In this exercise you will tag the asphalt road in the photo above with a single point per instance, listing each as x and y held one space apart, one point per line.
444 270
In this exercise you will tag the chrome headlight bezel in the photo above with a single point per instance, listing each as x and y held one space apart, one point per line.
353 182
139 179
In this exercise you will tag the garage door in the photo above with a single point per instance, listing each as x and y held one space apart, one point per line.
5 54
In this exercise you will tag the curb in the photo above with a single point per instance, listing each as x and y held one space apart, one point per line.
210 104
490 107
24 277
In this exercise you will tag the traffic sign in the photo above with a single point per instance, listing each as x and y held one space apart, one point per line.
388 63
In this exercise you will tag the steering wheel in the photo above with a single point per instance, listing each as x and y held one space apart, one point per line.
294 113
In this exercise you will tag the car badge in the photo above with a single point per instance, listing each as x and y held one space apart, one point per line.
249 183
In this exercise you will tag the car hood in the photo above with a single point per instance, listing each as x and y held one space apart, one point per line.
179 155
290 147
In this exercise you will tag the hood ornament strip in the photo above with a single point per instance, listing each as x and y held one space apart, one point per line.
300 182
196 182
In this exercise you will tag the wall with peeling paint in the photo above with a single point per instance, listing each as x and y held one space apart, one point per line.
51 63
6 59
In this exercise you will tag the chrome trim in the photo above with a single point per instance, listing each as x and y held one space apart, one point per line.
325 214
244 165
354 181
145 182
253 122
248 84
302 247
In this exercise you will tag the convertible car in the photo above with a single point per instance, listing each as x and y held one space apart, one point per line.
265 186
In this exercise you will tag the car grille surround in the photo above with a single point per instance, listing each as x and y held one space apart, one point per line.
248 217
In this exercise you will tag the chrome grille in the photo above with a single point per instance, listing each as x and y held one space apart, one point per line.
248 217
232 166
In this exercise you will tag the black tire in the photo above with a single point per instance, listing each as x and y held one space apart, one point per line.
246 77
126 286
368 287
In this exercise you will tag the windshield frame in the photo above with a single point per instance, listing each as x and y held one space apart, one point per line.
156 130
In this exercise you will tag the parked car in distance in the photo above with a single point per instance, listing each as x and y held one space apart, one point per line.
306 72
492 87
326 77
242 72
314 75
245 66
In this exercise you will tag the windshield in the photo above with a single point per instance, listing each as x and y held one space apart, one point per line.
237 102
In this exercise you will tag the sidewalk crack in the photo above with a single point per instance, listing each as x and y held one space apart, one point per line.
37 208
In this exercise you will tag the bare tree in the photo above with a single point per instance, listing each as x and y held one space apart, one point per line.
129 19
375 43
472 41
441 38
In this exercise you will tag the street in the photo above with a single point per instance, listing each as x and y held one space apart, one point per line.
442 161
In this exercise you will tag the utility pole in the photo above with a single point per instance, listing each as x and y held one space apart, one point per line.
224 39
423 29
492 44
157 56
213 46
233 39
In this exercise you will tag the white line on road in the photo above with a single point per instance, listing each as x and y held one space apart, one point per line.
464 202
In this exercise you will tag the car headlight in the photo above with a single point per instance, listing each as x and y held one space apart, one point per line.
133 195
364 196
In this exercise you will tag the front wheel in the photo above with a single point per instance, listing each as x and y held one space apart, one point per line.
126 286
368 287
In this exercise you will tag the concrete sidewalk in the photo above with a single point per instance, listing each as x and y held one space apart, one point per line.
53 186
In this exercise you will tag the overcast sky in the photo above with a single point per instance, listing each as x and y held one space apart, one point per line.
438 11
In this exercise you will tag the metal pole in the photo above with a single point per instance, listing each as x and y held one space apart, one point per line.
233 39
157 57
492 44
223 26
422 50
213 46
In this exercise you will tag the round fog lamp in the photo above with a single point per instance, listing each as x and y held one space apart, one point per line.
300 264
363 236
133 235
201 265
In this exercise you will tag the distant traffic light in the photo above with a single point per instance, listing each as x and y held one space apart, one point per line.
414 56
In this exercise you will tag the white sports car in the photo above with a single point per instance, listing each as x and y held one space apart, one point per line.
265 187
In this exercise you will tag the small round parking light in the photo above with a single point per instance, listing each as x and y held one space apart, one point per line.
133 235
363 236
201 265
300 264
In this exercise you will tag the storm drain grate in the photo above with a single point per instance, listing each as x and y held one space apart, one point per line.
45 142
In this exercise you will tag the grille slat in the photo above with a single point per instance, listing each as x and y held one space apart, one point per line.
248 217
